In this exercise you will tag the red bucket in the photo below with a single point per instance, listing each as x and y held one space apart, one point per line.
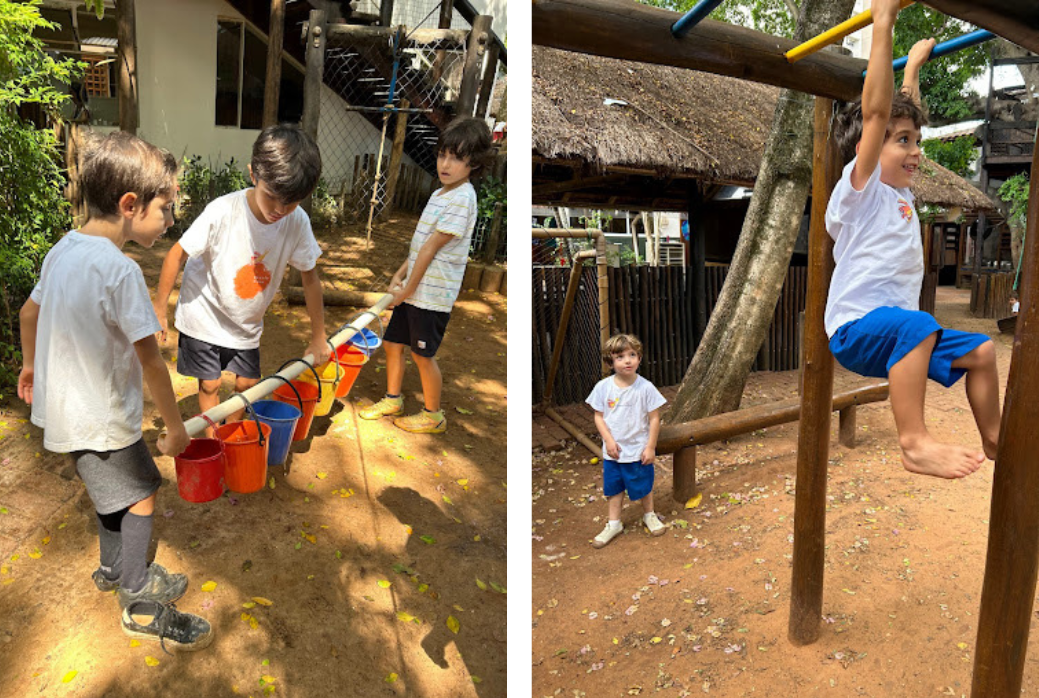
309 394
200 471
350 360
246 454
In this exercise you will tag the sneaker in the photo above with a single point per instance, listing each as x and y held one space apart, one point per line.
607 534
386 407
102 582
161 587
150 620
423 423
654 524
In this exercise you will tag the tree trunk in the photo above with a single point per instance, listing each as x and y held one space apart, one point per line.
718 372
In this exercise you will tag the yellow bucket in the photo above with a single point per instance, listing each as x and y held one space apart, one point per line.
330 373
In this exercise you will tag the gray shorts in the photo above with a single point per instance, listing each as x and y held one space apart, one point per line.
200 359
117 479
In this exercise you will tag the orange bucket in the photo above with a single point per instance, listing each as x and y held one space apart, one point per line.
309 394
350 360
245 445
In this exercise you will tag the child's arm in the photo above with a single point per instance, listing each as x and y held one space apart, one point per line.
876 93
612 449
171 267
157 376
397 282
27 320
422 261
911 77
650 452
314 298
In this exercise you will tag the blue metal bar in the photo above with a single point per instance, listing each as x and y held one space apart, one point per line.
691 18
396 66
946 47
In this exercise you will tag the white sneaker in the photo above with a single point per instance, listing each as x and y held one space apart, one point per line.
608 534
654 524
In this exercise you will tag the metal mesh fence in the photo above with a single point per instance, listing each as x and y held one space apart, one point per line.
579 345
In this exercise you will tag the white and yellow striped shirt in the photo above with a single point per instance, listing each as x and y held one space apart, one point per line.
453 213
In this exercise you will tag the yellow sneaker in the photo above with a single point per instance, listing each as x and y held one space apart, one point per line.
423 423
386 407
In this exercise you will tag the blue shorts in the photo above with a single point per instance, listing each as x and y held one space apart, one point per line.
635 477
871 345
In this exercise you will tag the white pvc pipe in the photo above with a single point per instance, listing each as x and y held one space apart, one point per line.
196 425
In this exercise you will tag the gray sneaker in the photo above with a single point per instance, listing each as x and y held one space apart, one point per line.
606 535
102 582
149 620
161 587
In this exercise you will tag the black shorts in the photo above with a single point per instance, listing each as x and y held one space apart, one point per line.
205 361
421 329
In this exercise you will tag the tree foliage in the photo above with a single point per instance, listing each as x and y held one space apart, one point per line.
957 155
33 210
1014 192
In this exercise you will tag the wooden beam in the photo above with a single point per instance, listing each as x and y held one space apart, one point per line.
444 22
272 84
490 71
479 37
1012 561
1015 20
312 82
543 190
346 35
396 156
126 55
631 31
813 441
385 12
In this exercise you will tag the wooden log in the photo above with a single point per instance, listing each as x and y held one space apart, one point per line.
603 288
333 296
471 279
504 277
312 84
487 82
396 157
490 279
683 487
630 31
490 248
813 443
351 35
1012 560
385 12
846 430
476 47
126 58
444 22
564 321
272 83
574 432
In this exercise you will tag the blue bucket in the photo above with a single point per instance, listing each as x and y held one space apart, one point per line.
281 417
368 344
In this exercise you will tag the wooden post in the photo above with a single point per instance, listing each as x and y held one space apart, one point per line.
386 13
479 38
396 156
487 84
490 249
604 296
445 23
846 431
564 321
1008 592
683 487
75 190
697 261
275 39
813 443
312 82
126 31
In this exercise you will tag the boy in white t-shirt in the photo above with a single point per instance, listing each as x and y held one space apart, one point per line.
236 252
87 340
627 415
872 313
427 283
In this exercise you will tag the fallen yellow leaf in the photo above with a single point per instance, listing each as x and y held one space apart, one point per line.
151 661
248 604
406 617
694 502
390 678
262 601
135 643
322 476
384 583
463 482
480 583
69 676
452 624
209 586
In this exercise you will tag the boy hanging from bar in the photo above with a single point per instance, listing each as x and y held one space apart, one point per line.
872 313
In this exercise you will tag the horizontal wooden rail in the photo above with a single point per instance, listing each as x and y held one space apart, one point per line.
674 437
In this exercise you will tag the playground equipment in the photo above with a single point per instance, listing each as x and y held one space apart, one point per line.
691 18
973 38
623 29
832 36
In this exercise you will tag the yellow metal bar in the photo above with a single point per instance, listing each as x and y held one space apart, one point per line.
832 36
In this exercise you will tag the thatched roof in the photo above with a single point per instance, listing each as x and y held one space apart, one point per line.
677 123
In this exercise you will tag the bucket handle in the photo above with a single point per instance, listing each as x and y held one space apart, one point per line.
334 360
287 382
308 365
249 409
379 335
215 434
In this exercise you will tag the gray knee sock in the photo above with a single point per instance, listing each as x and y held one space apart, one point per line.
109 534
137 536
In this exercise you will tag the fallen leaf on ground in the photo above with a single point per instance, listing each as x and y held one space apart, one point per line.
69 676
262 601
694 502
151 661
452 624
209 586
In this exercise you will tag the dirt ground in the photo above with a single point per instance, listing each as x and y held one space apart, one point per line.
704 608
379 556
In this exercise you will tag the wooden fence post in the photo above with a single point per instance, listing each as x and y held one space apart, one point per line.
487 84
683 486
846 430
126 55
312 83
446 6
396 155
272 85
490 249
479 38
813 443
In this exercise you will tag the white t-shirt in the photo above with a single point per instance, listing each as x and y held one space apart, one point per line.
235 269
87 384
453 213
626 413
877 250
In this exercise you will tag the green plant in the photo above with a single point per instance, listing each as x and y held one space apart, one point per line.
324 209
33 211
1014 192
957 155
599 220
491 191
200 184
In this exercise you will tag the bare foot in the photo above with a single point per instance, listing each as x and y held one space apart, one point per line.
930 457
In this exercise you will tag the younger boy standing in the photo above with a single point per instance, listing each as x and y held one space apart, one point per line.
87 338
427 283
627 415
238 248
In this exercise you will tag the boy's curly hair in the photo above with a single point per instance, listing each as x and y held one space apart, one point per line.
618 343
469 138
848 124
115 164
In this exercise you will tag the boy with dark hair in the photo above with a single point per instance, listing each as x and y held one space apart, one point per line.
87 339
627 415
427 283
236 252
872 312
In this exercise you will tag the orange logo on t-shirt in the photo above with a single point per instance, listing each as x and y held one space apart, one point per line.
905 209
612 402
252 278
